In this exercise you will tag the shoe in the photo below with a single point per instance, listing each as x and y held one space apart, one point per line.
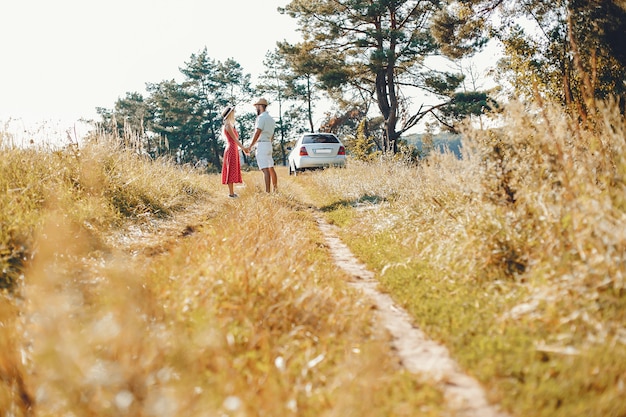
233 195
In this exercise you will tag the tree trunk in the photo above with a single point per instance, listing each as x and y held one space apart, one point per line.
383 105
215 145
388 105
309 99
282 130
390 77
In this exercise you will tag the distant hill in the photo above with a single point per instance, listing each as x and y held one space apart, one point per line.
441 141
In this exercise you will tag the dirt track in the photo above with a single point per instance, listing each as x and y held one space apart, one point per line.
417 353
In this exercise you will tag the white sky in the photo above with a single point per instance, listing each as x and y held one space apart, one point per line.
60 59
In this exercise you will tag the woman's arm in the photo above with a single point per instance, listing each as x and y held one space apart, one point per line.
233 134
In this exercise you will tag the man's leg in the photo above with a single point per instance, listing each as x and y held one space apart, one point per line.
266 177
274 178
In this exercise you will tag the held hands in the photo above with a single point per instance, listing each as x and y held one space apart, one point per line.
248 149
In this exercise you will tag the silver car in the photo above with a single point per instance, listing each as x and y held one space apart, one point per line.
316 150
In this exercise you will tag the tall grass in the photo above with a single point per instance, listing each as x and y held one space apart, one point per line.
237 312
60 204
96 186
514 256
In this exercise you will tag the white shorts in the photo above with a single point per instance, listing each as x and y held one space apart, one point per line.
264 155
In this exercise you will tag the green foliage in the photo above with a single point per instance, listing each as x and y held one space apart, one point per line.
130 120
173 117
282 85
362 147
291 75
182 120
460 33
565 51
444 84
471 103
374 49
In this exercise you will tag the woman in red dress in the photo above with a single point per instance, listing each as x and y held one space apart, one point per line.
231 166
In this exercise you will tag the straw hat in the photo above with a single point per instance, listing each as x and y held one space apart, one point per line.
227 111
261 101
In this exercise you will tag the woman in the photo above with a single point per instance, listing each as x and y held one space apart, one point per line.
231 166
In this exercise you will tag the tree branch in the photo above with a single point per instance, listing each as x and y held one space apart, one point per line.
417 117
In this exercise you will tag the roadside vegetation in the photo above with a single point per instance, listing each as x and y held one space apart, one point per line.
129 284
514 257
133 286
94 188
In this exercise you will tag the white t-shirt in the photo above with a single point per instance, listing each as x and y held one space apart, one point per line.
266 123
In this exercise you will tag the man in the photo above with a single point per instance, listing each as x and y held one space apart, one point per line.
263 135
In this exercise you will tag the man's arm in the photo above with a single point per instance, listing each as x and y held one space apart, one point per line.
257 133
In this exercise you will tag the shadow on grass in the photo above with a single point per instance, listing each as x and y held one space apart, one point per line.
356 202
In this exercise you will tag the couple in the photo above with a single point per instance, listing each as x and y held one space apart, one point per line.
263 134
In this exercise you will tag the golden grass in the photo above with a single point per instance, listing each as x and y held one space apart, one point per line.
94 187
134 287
234 310
514 257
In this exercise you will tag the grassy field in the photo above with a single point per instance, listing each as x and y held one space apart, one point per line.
513 257
136 287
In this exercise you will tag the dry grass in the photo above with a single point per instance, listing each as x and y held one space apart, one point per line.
120 308
514 257
95 187
137 288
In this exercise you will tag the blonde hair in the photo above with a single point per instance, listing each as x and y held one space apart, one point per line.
231 117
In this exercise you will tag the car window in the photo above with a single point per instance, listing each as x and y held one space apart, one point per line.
319 139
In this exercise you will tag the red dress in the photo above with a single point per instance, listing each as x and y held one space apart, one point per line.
231 166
